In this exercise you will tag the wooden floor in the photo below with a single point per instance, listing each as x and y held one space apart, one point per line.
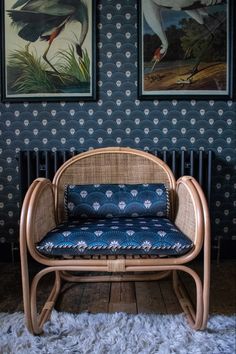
138 297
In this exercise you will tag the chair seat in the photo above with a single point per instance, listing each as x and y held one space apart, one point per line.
120 236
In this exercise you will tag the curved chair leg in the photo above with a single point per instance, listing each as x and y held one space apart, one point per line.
24 259
194 317
39 320
206 285
206 255
25 285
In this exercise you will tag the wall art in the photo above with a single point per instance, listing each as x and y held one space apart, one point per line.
186 49
48 50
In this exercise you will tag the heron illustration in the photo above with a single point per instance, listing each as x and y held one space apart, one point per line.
45 20
197 9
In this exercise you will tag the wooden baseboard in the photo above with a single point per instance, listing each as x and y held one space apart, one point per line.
9 252
227 250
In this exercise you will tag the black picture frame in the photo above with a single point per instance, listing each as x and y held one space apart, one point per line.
170 76
69 71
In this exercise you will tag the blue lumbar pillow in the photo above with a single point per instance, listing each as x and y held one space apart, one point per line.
116 200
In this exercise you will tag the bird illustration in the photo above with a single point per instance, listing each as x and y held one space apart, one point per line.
197 9
45 20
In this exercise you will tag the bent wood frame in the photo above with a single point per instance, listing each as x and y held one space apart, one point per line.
40 213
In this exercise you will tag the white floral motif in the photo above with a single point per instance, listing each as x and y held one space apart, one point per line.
160 213
72 186
83 194
96 185
146 245
66 233
159 191
109 194
134 192
81 245
114 245
161 233
122 205
177 246
98 233
130 232
147 204
96 205
71 206
121 185
49 246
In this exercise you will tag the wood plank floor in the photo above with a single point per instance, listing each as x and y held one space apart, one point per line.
130 297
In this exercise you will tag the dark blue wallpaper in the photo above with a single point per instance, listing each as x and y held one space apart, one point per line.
118 118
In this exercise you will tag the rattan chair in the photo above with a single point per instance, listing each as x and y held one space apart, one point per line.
43 210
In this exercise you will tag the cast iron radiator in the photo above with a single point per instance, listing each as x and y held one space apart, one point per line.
197 163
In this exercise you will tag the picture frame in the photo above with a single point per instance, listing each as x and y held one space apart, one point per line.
186 53
48 51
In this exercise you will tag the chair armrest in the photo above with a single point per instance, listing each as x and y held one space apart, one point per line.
189 217
40 216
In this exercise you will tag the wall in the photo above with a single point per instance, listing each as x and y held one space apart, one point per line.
118 118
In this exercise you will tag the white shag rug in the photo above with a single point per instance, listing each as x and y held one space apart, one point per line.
117 333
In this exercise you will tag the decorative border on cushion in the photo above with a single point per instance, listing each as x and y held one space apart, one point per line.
114 246
167 201
66 200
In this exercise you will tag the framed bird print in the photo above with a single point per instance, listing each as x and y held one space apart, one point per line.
186 49
48 50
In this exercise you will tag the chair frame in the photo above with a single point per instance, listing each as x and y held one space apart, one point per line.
120 266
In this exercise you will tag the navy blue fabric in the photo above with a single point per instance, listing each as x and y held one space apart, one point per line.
116 200
142 235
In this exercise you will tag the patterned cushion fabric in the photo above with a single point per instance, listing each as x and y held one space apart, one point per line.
141 235
116 200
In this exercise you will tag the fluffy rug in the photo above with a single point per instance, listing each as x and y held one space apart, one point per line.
117 333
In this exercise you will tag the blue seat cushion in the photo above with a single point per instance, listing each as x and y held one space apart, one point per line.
121 236
116 200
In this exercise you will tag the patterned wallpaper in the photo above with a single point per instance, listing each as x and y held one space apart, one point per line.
119 118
